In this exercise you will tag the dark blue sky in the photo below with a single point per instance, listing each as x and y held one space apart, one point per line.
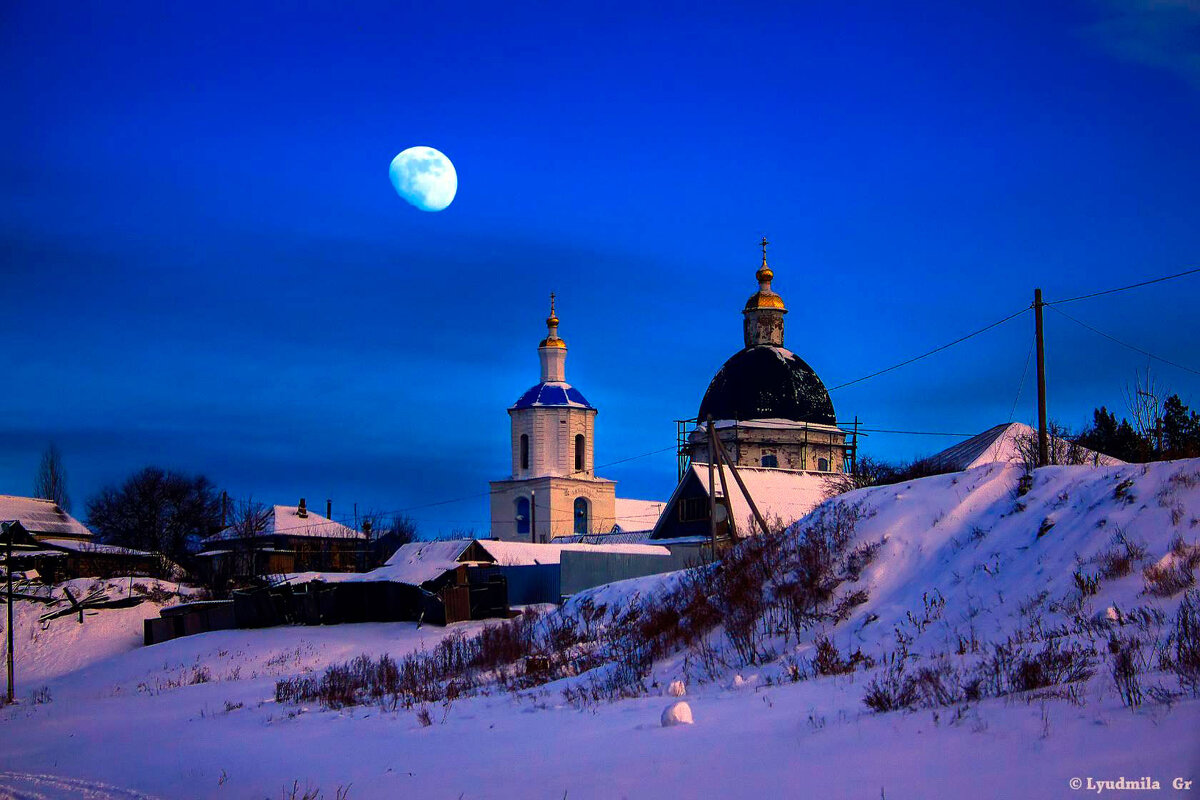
206 267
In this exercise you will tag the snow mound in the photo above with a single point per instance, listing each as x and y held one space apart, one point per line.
677 714
677 689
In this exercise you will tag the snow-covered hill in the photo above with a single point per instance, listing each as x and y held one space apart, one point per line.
936 581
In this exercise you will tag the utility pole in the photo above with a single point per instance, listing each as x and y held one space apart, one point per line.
1043 436
8 572
712 493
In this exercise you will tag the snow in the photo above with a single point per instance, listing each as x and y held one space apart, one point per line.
779 494
677 714
676 689
968 537
41 517
286 521
520 553
1002 444
638 515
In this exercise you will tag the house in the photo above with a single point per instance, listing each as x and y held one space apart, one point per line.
281 540
59 547
1012 442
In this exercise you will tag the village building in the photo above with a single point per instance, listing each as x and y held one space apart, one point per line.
282 540
553 490
1011 443
57 546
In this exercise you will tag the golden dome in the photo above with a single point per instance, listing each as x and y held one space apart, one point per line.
765 299
764 274
552 320
553 341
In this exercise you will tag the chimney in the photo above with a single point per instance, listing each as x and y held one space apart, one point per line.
329 509
302 511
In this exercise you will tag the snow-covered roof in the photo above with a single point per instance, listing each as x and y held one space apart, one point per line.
41 517
779 493
418 562
77 546
511 554
638 515
286 521
1004 444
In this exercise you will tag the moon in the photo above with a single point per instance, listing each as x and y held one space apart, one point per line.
424 177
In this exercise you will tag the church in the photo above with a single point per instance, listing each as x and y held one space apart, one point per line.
775 421
767 406
553 490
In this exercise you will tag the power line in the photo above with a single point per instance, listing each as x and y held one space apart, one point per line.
915 433
931 352
1126 288
1125 344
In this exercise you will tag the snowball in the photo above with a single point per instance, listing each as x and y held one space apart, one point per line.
738 681
677 714
676 689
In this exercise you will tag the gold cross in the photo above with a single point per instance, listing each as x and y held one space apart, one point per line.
764 248
552 304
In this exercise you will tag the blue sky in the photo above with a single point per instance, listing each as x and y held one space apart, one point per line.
206 267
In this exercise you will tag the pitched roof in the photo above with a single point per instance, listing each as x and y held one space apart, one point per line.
1004 443
638 515
41 517
781 494
286 521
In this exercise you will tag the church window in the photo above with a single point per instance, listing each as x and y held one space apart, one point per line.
770 460
522 515
581 515
524 451
822 465
579 448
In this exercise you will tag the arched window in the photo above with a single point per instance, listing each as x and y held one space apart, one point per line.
524 451
579 448
770 460
581 515
522 515
822 465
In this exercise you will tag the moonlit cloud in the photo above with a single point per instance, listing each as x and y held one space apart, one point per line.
1158 33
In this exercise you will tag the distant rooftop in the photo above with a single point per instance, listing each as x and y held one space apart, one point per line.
42 518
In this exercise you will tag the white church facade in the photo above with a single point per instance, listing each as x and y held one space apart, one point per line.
553 490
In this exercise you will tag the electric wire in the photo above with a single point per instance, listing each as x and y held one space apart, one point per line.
1126 288
1125 344
960 339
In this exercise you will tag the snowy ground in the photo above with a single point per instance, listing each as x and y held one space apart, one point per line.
127 721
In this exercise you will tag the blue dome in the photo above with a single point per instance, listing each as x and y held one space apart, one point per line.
553 394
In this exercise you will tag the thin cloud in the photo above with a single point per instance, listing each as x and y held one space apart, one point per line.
1164 34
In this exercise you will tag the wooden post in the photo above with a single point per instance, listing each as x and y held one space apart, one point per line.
8 572
745 492
712 494
1043 436
724 484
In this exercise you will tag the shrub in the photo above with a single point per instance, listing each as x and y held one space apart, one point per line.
1125 668
1184 644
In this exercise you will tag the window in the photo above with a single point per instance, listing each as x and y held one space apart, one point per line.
522 514
524 451
693 509
581 515
579 447
770 460
822 465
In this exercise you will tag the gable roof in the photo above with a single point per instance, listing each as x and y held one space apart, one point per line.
1004 443
637 515
42 517
781 494
286 521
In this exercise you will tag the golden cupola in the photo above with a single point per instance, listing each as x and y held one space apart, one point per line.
763 313
552 339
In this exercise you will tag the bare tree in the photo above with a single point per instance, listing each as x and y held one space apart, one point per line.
1144 399
1062 449
248 521
50 483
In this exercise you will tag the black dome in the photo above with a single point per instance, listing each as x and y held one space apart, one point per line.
766 382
